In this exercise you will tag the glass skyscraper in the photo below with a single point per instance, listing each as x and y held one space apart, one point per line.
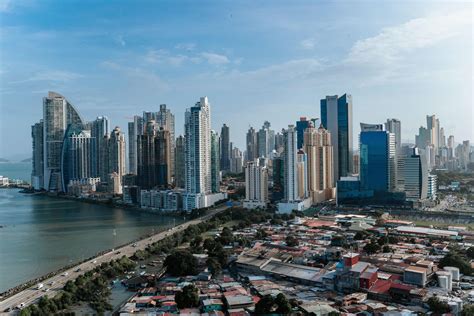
336 117
377 158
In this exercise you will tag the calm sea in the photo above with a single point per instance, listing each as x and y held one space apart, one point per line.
16 170
40 234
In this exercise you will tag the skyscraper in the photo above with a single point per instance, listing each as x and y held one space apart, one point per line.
179 177
165 119
154 157
394 126
415 175
135 129
423 138
116 152
215 162
79 160
38 156
336 117
256 185
377 158
99 129
302 174
319 150
58 114
198 148
252 151
225 148
290 165
432 124
301 125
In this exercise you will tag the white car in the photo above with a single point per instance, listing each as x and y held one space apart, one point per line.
65 274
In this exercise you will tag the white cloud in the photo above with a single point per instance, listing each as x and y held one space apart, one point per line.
308 43
389 45
51 76
186 46
162 56
5 5
120 40
215 59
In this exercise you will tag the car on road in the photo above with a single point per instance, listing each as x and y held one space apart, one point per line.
94 262
65 274
46 290
134 245
8 309
51 283
118 252
78 270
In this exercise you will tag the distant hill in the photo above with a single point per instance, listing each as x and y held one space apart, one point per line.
27 160
4 160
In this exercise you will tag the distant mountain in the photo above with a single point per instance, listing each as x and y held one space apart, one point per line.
27 160
4 160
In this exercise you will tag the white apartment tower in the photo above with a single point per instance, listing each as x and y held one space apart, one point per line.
198 148
256 185
290 160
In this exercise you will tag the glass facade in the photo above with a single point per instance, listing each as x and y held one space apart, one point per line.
374 161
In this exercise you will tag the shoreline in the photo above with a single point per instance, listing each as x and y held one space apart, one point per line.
137 244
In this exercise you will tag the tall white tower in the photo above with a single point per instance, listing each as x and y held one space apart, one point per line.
290 158
198 148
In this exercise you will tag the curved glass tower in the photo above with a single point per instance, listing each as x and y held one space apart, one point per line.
58 114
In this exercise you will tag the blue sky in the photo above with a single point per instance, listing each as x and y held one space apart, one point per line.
255 61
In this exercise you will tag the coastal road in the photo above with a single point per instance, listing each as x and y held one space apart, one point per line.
54 285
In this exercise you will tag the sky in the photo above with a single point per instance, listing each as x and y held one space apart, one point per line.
255 60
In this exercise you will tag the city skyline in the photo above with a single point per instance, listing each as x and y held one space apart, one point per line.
121 71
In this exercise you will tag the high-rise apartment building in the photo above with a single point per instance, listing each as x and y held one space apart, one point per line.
336 117
256 185
290 159
236 160
377 158
165 120
116 152
154 157
135 129
216 158
198 148
319 150
99 131
302 174
265 140
225 148
394 126
432 124
252 150
58 115
179 177
79 157
37 169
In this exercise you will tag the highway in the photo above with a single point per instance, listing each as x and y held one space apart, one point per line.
54 285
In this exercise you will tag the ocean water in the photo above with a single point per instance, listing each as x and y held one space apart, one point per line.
40 234
16 170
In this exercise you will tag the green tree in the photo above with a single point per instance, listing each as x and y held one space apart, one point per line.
437 306
338 241
196 241
454 259
386 249
291 241
283 306
180 263
468 310
265 305
361 235
470 252
214 266
371 248
333 313
226 236
188 297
